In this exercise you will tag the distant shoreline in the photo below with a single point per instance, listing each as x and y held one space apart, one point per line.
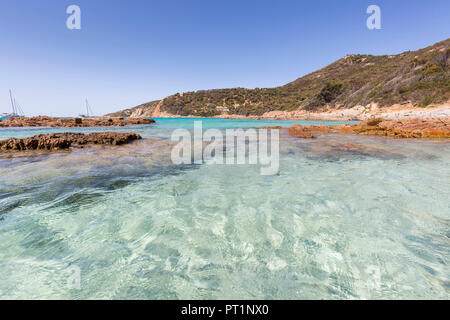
359 113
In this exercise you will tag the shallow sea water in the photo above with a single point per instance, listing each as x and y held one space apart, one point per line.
338 221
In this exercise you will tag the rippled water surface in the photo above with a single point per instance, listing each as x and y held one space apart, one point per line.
366 220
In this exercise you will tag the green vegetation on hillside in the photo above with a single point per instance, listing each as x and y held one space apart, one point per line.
421 77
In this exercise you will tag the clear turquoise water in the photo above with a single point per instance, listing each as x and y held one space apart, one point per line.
336 222
163 127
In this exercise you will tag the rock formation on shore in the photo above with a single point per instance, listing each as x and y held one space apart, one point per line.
404 128
44 121
299 131
63 141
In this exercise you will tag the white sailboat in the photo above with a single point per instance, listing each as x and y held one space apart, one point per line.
16 109
89 113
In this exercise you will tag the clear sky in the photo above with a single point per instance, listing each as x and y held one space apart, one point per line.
135 51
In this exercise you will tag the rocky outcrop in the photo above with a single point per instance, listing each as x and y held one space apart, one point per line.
299 131
44 121
63 141
317 129
39 142
111 138
404 128
273 128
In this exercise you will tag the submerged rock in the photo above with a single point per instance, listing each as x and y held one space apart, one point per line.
44 121
335 150
63 141
273 128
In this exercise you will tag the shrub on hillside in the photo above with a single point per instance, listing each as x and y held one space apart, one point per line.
331 91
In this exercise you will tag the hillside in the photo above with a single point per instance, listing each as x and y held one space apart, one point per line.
421 78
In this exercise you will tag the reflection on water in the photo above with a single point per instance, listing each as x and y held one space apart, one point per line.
347 217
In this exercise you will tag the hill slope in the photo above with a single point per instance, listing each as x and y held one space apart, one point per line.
420 77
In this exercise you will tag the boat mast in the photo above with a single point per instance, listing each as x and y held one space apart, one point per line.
18 108
12 102
87 109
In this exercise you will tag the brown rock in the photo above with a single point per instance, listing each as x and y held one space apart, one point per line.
112 138
352 145
38 142
299 131
273 128
62 141
404 128
374 121
343 128
44 121
317 129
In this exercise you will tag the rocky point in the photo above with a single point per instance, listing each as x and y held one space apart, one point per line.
44 121
63 141
403 128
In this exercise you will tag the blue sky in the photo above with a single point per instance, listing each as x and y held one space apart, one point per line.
135 51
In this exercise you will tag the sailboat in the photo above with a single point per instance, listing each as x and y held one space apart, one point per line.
16 109
89 113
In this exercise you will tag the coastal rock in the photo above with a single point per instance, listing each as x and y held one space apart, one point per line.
112 138
343 128
405 128
320 128
63 141
352 145
38 142
299 131
44 121
273 128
